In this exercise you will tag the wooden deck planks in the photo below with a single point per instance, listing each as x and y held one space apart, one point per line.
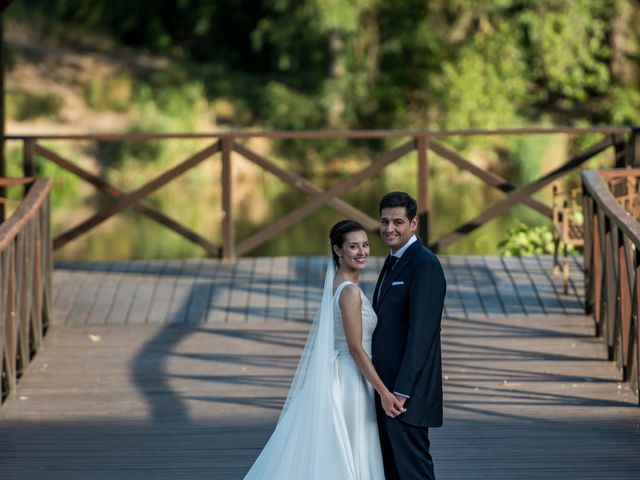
525 397
66 295
220 294
238 294
296 285
503 284
195 392
466 288
546 290
277 285
106 292
183 291
150 276
283 288
160 302
257 301
201 292
454 306
526 287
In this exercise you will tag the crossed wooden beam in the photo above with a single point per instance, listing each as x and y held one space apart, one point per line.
518 195
134 198
318 196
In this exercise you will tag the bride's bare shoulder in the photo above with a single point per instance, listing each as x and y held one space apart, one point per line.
350 295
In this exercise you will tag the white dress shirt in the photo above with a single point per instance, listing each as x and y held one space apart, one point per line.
403 249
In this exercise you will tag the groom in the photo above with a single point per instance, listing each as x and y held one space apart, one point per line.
408 300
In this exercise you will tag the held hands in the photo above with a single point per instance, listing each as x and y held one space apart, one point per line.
401 399
393 405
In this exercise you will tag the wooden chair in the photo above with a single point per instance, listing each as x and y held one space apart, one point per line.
626 191
568 229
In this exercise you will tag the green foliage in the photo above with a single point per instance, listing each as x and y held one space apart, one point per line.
23 105
525 240
528 154
374 64
113 94
568 47
623 105
478 92
315 64
286 109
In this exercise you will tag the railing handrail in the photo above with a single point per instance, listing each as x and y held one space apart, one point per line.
326 134
227 146
607 202
28 208
612 270
25 282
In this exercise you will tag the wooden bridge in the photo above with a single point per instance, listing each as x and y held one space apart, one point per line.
177 369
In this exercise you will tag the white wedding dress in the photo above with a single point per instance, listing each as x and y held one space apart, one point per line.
327 429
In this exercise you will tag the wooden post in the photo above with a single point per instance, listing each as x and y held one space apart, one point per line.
28 160
10 332
3 170
633 147
587 257
423 188
634 374
624 311
228 233
597 273
620 150
610 286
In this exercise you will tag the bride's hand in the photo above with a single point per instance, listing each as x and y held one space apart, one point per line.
391 405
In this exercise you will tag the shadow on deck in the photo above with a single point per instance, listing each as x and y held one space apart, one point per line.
179 369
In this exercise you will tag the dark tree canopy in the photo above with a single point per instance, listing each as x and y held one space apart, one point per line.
380 64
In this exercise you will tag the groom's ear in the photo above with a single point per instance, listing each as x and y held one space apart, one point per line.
414 224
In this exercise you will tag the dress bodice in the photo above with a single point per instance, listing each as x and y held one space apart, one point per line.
369 321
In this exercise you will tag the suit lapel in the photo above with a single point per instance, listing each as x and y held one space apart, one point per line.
396 271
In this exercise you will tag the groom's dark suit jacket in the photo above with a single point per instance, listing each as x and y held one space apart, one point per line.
406 342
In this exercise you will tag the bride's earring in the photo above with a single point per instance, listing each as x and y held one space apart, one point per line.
339 260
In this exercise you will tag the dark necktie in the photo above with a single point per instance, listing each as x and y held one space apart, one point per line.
389 263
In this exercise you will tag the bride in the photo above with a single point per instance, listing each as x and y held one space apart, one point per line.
327 428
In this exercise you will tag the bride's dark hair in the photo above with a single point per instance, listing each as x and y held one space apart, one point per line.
338 234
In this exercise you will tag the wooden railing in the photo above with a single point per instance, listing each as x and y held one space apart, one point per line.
228 145
612 270
25 281
626 190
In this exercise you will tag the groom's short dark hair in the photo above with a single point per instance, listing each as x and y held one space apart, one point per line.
400 199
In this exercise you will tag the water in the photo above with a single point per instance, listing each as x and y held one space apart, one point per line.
259 199
131 235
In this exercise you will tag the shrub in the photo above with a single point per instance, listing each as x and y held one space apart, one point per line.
526 240
23 106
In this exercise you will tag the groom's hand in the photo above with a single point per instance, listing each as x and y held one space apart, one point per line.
401 400
392 407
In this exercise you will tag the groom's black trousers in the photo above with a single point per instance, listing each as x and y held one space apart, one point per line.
405 449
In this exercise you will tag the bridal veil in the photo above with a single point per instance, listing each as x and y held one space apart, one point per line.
310 440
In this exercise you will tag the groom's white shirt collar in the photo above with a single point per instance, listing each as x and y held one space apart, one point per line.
401 251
